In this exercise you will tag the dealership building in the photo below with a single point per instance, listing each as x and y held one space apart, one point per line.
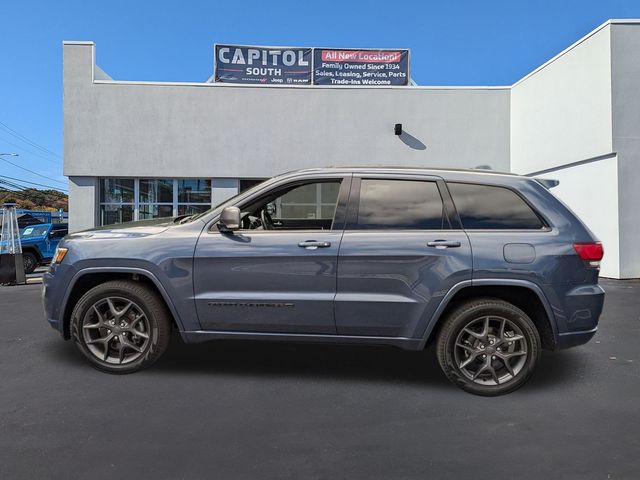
135 150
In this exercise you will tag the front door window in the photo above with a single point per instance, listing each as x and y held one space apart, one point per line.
307 206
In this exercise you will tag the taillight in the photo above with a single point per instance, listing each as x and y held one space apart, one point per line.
591 252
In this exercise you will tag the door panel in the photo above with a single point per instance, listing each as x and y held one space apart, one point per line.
263 281
400 254
390 282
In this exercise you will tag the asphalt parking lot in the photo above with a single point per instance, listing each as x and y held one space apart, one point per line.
254 410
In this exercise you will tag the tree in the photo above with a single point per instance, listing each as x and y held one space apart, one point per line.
34 199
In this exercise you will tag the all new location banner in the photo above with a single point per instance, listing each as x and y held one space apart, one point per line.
360 67
262 65
305 66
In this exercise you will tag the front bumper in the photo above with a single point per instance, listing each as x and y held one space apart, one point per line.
54 291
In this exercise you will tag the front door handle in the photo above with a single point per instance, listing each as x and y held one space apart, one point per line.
313 244
443 244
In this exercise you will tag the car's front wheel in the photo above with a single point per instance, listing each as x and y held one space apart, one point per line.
121 326
488 347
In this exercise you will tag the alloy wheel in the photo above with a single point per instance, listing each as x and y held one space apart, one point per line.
116 330
490 350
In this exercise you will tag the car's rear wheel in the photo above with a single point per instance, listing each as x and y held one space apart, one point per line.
121 326
488 347
30 262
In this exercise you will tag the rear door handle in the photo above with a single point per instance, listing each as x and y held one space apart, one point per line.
443 244
313 244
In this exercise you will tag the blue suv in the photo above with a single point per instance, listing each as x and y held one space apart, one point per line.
490 268
39 242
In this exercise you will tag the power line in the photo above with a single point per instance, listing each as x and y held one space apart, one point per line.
11 131
34 183
31 171
19 192
11 185
56 162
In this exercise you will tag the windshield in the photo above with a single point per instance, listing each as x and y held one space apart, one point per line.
34 231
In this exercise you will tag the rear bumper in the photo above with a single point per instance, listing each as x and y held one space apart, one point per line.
581 311
573 339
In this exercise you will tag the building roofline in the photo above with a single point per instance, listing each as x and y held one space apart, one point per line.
78 42
621 21
629 21
314 87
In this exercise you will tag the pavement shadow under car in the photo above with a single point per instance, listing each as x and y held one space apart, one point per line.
321 361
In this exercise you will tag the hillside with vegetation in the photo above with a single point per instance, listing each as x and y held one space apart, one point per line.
34 199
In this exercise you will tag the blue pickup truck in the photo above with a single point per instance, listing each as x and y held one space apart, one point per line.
39 242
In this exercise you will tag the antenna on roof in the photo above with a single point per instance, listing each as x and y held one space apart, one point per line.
483 167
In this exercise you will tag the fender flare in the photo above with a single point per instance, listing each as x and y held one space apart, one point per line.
488 282
140 271
35 251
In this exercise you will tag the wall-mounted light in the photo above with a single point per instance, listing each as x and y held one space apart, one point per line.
397 129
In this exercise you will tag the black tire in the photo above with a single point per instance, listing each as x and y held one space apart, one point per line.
464 352
30 262
153 312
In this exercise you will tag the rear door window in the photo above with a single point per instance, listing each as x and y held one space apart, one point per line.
486 207
398 204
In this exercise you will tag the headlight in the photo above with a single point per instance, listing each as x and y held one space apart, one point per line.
61 252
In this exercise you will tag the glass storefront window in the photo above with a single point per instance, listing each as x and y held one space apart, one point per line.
156 198
117 190
194 190
154 211
156 190
192 209
246 184
110 214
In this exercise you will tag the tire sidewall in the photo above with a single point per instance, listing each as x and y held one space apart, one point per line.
87 301
462 318
30 262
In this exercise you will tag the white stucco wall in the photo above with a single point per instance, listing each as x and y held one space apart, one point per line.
625 66
214 130
561 112
223 188
83 203
591 191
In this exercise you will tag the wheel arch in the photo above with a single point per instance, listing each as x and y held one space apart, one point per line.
525 295
34 250
88 278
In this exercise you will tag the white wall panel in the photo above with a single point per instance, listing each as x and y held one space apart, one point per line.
561 113
591 191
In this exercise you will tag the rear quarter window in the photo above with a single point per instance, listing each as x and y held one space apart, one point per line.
489 207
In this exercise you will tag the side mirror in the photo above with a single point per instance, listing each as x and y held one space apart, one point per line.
229 219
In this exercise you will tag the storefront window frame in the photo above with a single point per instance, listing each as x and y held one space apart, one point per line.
137 204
